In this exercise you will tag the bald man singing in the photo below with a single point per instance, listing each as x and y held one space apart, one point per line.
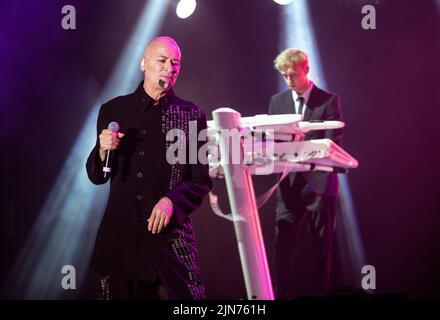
145 246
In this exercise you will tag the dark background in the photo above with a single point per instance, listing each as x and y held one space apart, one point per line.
388 81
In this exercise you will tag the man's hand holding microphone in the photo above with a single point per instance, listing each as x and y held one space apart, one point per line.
108 141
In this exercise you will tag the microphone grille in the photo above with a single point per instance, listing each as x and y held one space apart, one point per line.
114 126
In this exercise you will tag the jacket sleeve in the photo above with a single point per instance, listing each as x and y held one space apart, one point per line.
94 164
333 112
188 195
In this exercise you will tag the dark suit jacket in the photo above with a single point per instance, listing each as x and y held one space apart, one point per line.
322 105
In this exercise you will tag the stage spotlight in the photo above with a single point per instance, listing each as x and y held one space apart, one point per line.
66 227
185 8
283 2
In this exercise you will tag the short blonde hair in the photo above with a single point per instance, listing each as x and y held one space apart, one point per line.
290 57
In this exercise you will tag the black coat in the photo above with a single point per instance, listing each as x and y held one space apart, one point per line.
322 105
140 177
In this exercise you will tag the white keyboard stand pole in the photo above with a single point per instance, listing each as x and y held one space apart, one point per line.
244 212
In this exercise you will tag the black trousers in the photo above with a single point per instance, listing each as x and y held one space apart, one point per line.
113 288
297 203
178 276
116 288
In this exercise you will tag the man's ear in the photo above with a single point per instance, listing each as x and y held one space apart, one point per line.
306 69
143 64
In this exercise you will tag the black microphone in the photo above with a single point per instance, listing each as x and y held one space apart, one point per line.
163 84
107 169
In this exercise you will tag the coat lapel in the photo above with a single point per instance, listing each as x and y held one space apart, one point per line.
289 106
312 103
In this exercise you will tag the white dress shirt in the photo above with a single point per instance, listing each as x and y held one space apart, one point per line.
305 95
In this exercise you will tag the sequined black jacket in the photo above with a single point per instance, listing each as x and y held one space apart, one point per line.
140 176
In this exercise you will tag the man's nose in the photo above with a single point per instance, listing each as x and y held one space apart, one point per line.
169 67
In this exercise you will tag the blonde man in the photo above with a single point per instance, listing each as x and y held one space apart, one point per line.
307 196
